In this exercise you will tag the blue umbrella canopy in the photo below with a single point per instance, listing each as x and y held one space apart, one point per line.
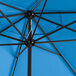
37 38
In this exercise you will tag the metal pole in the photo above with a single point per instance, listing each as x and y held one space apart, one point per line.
29 46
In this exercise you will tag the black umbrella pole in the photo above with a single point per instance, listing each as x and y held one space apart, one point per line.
29 46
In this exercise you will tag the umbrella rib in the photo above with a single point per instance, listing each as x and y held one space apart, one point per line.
55 23
42 30
55 31
11 44
11 37
12 7
55 41
15 67
47 50
49 20
74 12
65 27
19 51
17 59
64 59
70 29
12 24
24 11
39 17
56 47
26 27
36 5
61 19
13 15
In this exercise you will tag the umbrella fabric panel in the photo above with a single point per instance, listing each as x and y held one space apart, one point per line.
58 5
68 18
22 4
10 51
38 34
63 34
66 48
8 10
47 25
68 51
73 26
56 22
21 67
55 5
7 55
4 23
45 63
12 31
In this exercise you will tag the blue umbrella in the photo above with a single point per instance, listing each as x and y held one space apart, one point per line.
37 38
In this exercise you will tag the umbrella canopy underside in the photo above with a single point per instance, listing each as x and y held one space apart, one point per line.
48 27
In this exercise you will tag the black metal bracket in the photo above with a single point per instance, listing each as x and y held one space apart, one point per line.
30 14
29 43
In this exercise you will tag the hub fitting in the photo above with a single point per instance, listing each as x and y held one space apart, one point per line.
30 14
29 43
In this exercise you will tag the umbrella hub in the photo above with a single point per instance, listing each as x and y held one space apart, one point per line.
30 14
29 42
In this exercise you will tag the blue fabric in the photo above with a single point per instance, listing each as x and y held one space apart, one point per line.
43 62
